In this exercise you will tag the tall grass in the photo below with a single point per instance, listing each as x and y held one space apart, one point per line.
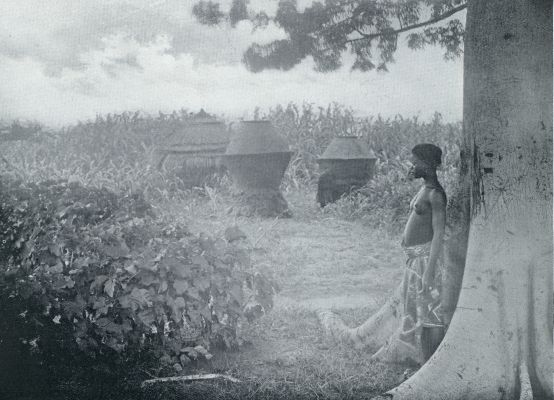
310 129
383 202
117 151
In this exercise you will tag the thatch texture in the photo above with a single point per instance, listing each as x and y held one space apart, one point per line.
347 148
194 152
362 169
331 186
257 171
257 158
265 203
256 137
199 135
346 165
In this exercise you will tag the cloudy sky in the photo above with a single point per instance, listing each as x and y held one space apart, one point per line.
65 60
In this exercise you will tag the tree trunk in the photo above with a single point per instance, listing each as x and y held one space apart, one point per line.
499 344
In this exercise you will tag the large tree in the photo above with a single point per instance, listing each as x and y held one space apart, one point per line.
499 344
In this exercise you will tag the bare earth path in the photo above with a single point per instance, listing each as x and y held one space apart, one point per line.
332 264
319 261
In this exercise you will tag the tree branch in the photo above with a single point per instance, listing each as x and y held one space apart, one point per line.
370 36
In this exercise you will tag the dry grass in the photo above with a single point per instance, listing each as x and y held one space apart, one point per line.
289 358
321 258
319 261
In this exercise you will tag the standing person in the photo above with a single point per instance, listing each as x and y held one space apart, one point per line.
422 326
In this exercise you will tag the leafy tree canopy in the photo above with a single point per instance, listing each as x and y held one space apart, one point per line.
207 12
238 12
369 29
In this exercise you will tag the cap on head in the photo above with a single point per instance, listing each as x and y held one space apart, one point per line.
429 153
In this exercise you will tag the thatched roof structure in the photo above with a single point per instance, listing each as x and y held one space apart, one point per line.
202 135
193 150
347 148
256 137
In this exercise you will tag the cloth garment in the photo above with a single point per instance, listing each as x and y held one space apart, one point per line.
424 308
419 309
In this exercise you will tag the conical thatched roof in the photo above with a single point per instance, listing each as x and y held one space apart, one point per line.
201 134
256 137
347 148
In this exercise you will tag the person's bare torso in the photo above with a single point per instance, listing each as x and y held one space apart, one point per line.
419 228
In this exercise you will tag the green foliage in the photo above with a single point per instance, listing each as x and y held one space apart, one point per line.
309 131
367 29
89 272
384 200
238 11
207 12
87 269
20 131
116 151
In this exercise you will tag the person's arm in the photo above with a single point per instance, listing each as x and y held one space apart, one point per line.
438 209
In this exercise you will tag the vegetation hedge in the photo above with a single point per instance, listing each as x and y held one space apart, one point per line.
117 151
89 273
383 202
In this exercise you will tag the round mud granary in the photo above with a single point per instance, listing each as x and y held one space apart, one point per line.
347 164
257 158
193 152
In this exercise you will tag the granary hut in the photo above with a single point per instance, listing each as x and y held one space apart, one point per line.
193 150
257 158
346 165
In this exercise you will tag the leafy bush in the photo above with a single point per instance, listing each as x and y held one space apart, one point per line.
89 272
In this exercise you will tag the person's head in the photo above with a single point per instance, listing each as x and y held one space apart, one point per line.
425 159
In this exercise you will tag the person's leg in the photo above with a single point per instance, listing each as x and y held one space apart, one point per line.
430 340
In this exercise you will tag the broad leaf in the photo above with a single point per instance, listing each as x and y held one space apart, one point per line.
180 286
98 282
109 287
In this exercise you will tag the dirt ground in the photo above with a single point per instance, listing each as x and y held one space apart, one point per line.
319 262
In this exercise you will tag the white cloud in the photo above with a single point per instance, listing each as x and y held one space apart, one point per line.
57 32
128 75
65 60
